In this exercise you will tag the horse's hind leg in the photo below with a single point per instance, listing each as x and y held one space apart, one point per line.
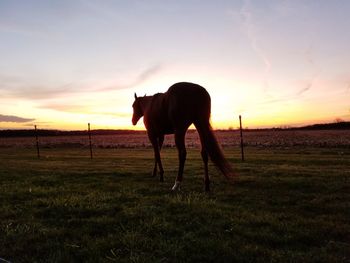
204 154
180 144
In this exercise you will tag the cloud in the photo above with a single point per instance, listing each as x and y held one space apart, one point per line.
303 90
88 109
292 96
8 118
17 87
249 28
309 85
84 109
64 107
41 124
142 77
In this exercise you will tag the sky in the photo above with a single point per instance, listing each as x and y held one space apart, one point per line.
278 63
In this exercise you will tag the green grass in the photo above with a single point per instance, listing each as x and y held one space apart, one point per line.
287 205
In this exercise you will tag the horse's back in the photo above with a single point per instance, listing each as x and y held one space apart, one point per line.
188 101
187 88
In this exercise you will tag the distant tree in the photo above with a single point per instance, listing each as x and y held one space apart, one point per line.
338 120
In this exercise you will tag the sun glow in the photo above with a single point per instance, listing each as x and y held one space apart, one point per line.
112 109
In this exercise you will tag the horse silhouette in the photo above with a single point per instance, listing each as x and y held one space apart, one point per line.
173 112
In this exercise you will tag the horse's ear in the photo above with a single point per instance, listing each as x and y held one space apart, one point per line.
145 95
135 96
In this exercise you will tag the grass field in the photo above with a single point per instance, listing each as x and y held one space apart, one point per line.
287 205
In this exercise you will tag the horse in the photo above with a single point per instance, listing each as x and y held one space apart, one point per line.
173 112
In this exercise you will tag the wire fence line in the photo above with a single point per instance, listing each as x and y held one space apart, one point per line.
265 138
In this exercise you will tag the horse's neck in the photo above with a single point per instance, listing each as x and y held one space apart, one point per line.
146 102
155 118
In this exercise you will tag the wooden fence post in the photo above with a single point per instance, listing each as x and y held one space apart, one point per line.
37 141
241 134
89 132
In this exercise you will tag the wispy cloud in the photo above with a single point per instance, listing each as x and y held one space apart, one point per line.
20 87
249 28
310 58
84 109
142 77
9 118
17 87
308 86
64 107
291 96
303 90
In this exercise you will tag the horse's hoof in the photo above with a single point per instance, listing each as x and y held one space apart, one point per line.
176 186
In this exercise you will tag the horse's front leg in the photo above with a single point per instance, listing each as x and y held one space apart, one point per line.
160 144
157 160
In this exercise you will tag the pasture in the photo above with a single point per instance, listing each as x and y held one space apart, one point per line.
289 204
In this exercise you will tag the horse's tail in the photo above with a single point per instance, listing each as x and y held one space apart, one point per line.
213 149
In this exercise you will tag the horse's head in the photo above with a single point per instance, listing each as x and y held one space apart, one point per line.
138 111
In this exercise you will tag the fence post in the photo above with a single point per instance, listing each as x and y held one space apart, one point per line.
37 141
241 134
89 132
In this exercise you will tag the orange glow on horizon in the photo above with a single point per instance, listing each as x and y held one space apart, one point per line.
111 109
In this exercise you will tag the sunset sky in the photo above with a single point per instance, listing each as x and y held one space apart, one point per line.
65 63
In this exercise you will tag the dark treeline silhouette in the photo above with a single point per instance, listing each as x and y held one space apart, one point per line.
325 126
47 132
328 126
